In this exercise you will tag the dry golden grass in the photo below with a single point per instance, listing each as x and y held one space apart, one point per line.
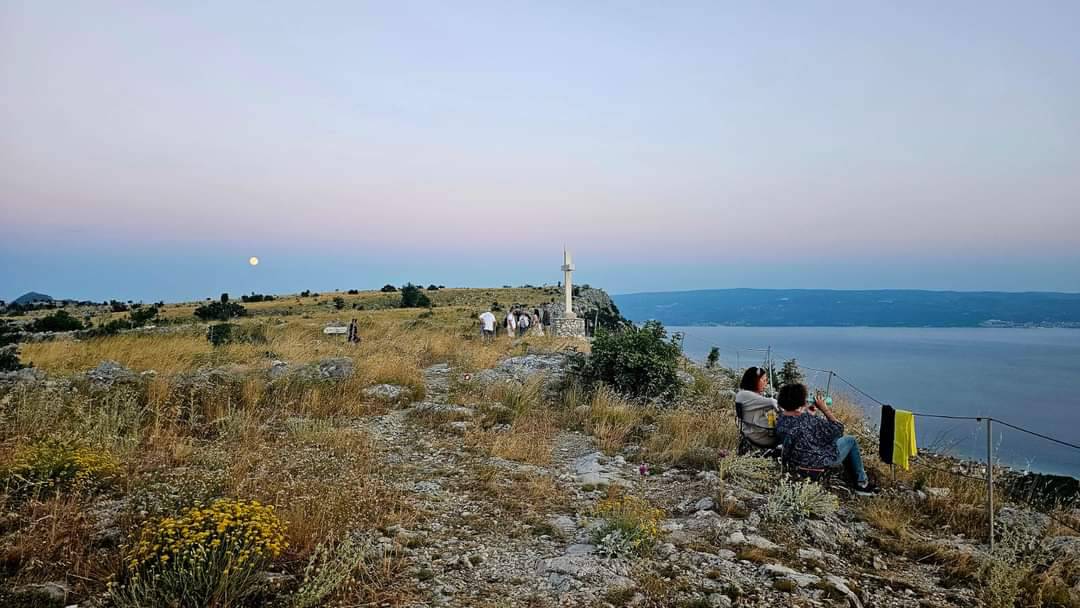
611 419
530 438
693 437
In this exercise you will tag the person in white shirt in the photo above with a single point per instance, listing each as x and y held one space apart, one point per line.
487 325
523 323
511 324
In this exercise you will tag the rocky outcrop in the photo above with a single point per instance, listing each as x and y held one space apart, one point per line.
594 305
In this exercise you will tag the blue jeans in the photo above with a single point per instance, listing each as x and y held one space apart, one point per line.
848 455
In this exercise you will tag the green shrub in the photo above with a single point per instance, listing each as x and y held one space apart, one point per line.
791 501
388 288
220 311
231 333
339 302
9 358
60 320
413 297
640 363
60 464
207 557
713 358
631 525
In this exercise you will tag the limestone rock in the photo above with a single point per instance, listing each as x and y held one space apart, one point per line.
109 374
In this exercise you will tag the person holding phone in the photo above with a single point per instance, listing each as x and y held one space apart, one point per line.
817 442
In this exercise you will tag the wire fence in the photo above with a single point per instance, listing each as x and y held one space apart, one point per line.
988 420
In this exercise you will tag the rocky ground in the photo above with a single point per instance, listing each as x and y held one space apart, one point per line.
475 544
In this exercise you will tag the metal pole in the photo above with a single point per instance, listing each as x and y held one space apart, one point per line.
990 478
768 368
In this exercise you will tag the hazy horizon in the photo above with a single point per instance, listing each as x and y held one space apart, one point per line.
146 151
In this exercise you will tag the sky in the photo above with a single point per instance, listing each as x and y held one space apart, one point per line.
147 150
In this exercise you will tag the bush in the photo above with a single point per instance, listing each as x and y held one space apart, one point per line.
208 556
9 333
60 464
231 333
339 302
117 306
388 288
354 292
412 297
791 501
330 568
9 359
220 311
60 320
713 358
256 297
433 287
631 525
640 363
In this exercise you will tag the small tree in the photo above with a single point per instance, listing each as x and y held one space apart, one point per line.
339 302
388 288
713 358
413 297
790 373
433 287
224 298
639 362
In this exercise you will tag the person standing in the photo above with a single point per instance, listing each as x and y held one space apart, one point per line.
487 325
511 324
538 327
523 323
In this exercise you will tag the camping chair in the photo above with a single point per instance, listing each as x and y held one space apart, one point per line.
749 446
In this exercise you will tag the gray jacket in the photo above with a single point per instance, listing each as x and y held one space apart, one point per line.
755 418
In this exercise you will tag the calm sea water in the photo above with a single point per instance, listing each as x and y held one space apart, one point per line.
1028 377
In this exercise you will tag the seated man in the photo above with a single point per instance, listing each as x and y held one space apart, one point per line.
817 442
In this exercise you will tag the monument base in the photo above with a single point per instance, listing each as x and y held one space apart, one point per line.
562 327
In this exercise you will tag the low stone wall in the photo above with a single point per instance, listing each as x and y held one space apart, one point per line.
562 327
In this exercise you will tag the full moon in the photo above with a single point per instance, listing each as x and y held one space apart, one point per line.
254 261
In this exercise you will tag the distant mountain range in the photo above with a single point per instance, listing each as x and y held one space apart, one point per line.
836 308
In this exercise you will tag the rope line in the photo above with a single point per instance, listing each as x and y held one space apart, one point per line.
1040 435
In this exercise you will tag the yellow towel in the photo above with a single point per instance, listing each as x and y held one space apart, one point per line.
904 439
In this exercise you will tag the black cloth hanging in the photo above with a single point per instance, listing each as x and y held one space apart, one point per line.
886 433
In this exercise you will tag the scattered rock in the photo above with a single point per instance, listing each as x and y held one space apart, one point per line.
110 373
387 392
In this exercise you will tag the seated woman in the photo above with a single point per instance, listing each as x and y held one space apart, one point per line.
757 413
817 442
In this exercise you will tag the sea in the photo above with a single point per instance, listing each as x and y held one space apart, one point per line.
1026 377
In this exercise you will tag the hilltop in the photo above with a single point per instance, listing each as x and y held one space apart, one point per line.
851 308
427 467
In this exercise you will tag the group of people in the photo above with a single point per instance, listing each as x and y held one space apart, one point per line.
518 322
805 431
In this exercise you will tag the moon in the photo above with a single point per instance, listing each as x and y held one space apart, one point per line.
254 261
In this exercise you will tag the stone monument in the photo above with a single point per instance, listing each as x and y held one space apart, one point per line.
568 325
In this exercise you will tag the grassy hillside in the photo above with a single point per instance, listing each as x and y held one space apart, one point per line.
432 475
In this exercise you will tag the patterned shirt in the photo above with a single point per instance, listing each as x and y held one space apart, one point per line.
809 440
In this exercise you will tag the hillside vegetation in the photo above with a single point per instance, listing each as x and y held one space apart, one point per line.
425 466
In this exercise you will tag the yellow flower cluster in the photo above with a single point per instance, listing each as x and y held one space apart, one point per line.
56 462
240 532
633 516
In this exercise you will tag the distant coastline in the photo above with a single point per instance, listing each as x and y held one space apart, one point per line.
853 308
